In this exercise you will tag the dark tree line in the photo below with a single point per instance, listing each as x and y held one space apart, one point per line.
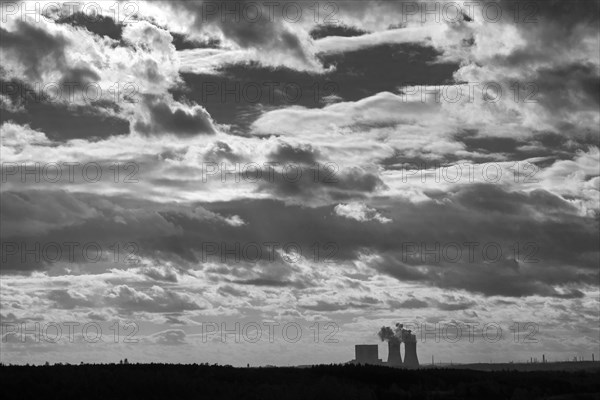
203 381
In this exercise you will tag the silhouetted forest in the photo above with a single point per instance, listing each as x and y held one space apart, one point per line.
203 381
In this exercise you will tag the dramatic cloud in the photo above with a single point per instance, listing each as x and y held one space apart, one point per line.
34 48
187 168
359 212
182 120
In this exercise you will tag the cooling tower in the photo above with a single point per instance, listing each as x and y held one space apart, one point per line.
394 357
410 352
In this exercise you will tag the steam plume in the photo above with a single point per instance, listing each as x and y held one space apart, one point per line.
399 334
386 334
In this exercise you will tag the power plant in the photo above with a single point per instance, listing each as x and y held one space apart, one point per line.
369 353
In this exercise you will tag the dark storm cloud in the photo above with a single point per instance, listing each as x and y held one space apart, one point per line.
565 14
34 48
300 154
491 279
400 160
239 93
549 146
553 57
565 242
328 181
79 77
582 81
183 42
567 245
41 209
36 219
263 35
561 89
489 144
470 215
292 172
100 25
61 121
166 119
325 30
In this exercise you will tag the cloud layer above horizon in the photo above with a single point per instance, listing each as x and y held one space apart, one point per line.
362 163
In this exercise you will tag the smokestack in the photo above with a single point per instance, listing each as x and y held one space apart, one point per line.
544 358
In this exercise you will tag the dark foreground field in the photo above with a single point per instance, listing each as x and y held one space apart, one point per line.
166 381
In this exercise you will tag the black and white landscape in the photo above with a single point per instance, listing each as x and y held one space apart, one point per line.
257 183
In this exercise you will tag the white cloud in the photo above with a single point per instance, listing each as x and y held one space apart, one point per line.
360 212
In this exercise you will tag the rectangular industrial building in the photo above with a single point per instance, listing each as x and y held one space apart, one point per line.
366 354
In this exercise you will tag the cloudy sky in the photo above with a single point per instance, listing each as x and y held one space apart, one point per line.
312 169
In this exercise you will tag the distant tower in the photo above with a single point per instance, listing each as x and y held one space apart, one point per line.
394 357
410 351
